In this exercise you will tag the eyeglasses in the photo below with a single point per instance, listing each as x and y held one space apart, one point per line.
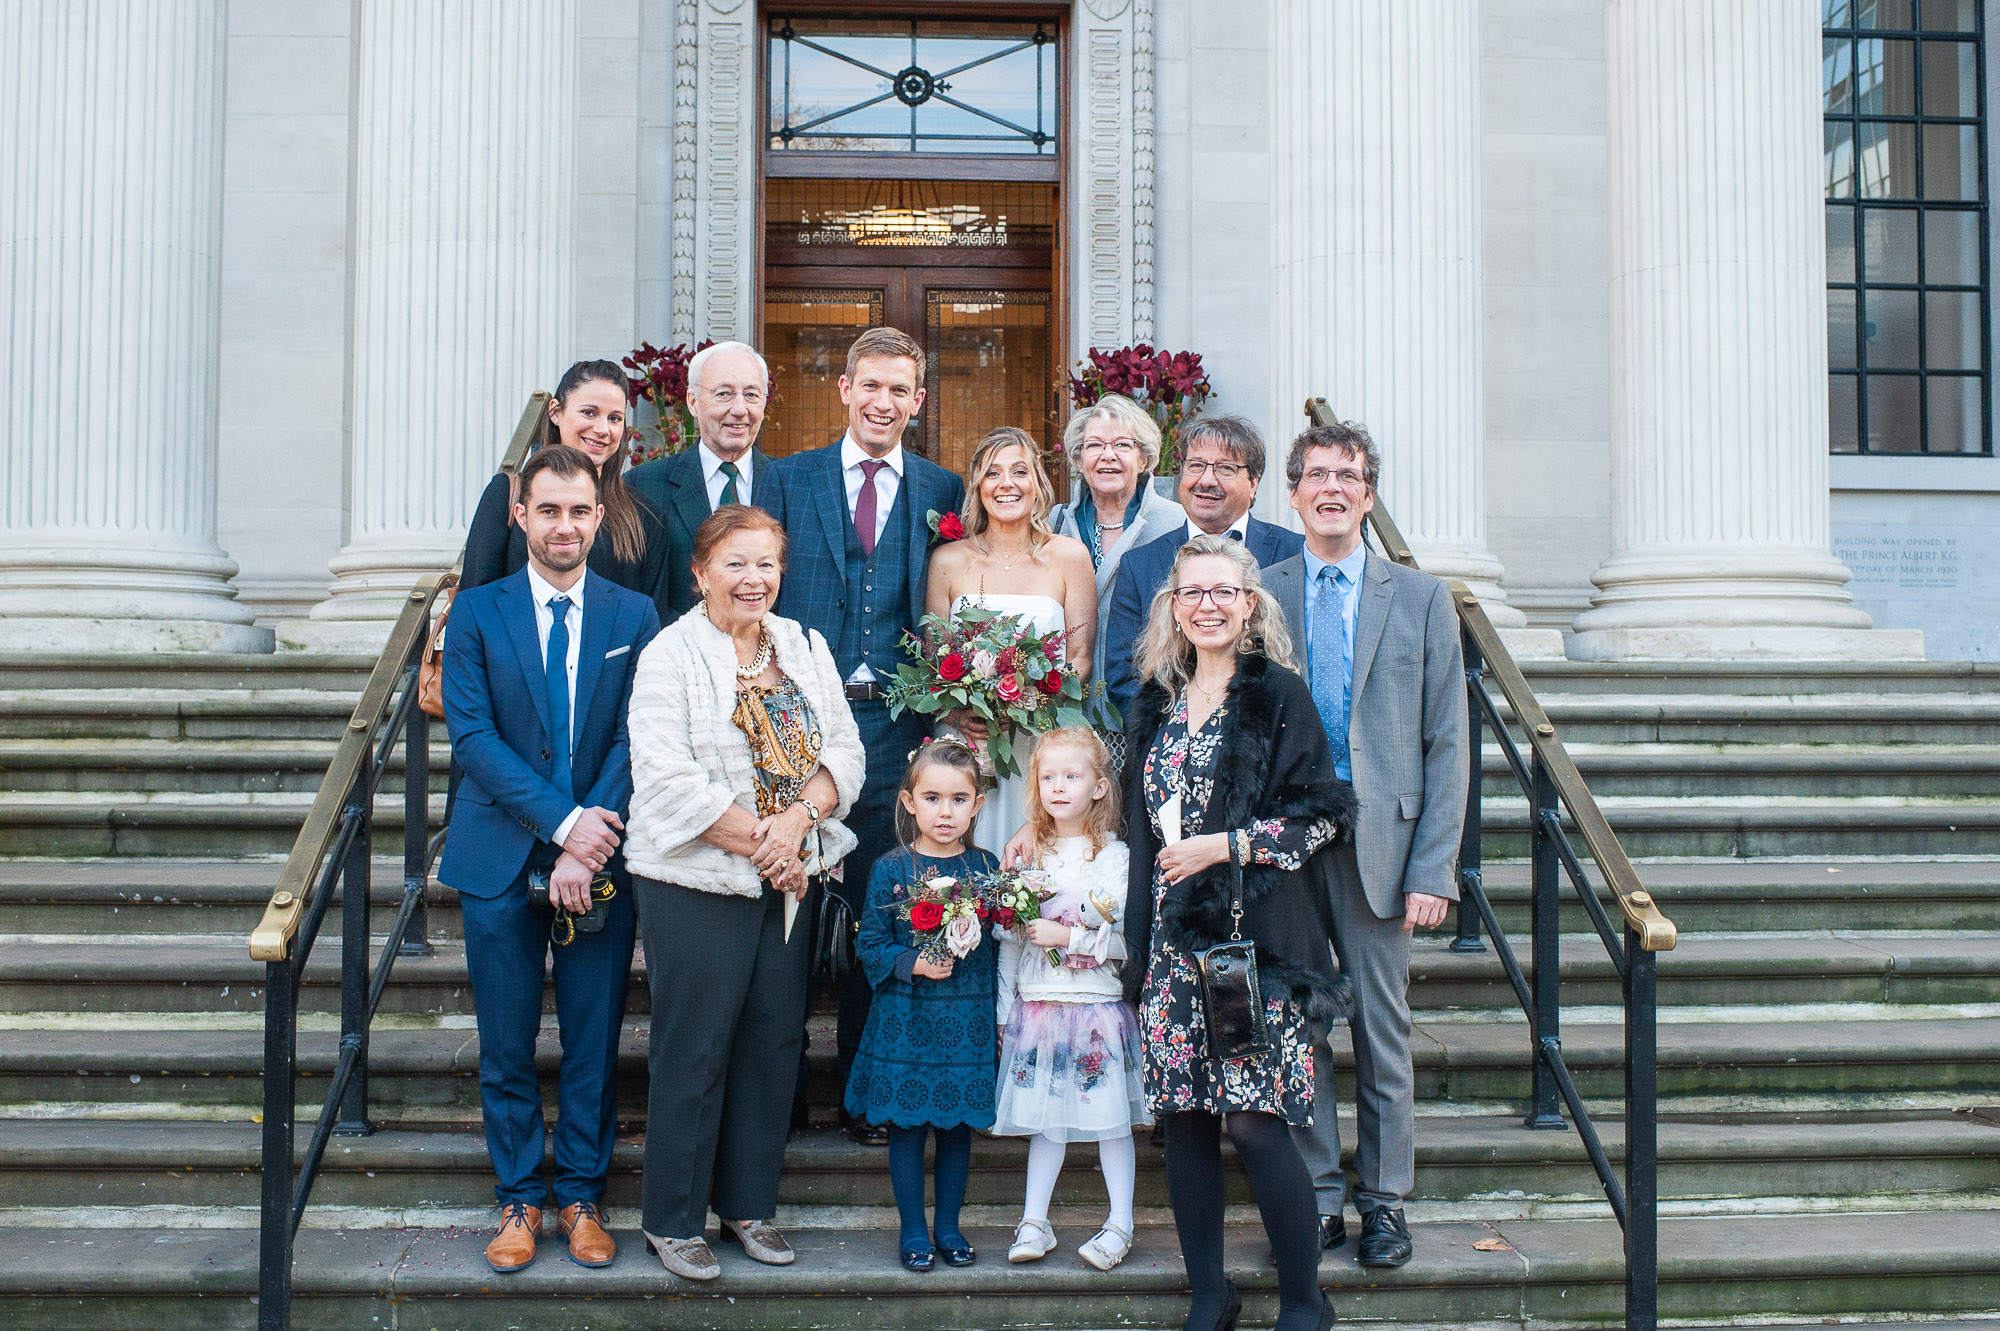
728 397
1224 596
1223 471
1346 480
1109 446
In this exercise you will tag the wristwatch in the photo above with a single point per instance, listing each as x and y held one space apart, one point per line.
812 809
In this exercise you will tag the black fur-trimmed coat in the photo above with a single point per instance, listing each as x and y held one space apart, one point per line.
1274 762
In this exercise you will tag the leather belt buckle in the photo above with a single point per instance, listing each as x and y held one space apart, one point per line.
869 692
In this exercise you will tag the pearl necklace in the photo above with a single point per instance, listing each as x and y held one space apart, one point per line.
761 662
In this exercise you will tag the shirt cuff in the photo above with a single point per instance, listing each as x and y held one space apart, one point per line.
568 824
906 964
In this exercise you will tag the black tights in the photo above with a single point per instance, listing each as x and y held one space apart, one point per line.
1285 1199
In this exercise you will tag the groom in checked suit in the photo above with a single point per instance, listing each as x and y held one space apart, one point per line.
855 515
728 389
1222 461
537 673
1381 652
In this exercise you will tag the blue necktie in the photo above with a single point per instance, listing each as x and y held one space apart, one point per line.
1332 666
556 678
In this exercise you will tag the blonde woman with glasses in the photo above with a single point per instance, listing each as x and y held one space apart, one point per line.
1234 805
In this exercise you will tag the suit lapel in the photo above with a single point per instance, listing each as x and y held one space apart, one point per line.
1288 589
690 494
598 613
832 505
517 607
1370 618
915 500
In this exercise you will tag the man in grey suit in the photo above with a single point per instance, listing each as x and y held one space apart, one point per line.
1382 656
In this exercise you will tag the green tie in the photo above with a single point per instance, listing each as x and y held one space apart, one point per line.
729 486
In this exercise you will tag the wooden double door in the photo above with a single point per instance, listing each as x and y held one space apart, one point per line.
985 319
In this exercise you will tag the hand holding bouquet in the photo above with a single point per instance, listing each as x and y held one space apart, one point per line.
1014 897
993 666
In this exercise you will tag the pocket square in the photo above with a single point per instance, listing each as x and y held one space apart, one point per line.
618 651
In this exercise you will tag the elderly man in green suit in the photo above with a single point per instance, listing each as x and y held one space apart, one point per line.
728 388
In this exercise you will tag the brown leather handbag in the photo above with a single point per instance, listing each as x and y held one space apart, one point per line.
430 669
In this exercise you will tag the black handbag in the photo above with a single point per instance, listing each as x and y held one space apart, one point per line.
833 935
1232 996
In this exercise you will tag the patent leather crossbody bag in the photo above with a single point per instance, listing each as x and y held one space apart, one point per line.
1232 996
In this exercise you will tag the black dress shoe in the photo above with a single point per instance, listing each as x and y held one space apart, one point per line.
1332 1231
1385 1238
956 1250
919 1258
863 1133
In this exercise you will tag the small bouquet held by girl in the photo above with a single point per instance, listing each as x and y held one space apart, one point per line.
995 667
1070 1064
947 915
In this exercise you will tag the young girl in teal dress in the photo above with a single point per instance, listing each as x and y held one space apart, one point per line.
926 1059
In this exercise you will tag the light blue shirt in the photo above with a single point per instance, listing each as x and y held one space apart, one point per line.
1350 568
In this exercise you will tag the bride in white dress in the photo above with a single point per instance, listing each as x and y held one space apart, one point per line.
1012 564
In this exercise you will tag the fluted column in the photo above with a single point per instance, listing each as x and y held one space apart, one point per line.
1719 523
110 236
464 238
1375 247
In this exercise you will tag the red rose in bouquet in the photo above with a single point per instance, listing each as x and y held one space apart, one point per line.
951 667
1008 687
1051 684
926 915
996 667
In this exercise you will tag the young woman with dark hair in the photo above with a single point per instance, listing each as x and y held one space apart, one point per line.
589 414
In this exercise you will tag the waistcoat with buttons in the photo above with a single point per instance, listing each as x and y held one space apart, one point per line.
878 597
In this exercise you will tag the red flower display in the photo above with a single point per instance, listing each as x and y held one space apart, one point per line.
1170 385
951 668
1050 684
926 915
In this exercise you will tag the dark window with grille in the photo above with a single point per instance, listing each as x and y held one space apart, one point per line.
1906 248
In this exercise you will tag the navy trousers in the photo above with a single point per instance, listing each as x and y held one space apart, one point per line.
507 946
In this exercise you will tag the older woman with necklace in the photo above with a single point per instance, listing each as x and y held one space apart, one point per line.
744 757
1113 446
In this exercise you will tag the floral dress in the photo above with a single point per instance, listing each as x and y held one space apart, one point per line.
1179 1075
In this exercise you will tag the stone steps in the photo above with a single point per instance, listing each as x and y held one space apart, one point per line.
164 895
208 1064
1527 1273
195 973
1486 1168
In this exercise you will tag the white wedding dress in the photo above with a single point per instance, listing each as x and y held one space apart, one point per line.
1007 808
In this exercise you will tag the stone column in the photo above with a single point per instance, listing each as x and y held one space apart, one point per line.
1375 259
110 237
1719 528
463 247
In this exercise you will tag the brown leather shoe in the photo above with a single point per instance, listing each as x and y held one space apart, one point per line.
514 1246
583 1225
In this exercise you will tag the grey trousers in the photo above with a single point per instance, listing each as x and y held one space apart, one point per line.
729 1001
1375 956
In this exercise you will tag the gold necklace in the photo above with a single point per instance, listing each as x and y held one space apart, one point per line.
1210 694
1006 565
761 662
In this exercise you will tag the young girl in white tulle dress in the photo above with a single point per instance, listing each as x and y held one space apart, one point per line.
1069 1060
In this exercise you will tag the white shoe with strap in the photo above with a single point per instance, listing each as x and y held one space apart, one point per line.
1110 1246
1033 1240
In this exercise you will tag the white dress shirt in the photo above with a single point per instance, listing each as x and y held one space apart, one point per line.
887 481
545 621
711 474
1235 532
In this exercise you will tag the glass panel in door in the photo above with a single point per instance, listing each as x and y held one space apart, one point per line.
991 357
807 331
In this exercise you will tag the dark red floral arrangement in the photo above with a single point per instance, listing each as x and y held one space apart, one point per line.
1172 386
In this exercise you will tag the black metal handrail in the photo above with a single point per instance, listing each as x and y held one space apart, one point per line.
337 843
1549 779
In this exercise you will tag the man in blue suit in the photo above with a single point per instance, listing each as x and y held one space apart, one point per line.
537 671
728 388
1222 460
856 515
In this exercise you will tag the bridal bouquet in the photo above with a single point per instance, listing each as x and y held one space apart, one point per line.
947 914
994 666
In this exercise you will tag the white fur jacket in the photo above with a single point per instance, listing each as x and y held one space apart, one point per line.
690 762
